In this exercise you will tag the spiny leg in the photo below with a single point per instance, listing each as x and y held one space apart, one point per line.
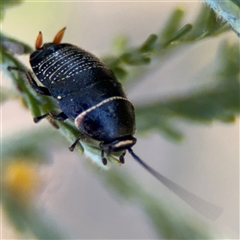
60 117
38 119
41 90
31 80
79 137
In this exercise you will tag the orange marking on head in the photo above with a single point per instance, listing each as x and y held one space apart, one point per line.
38 42
59 36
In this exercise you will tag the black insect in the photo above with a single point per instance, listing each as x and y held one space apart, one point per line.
88 93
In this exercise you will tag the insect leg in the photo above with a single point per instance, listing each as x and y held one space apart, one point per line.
121 158
31 80
60 117
104 160
79 137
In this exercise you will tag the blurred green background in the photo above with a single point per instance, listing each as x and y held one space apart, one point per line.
193 145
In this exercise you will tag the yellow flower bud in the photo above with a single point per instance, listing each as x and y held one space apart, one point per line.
21 180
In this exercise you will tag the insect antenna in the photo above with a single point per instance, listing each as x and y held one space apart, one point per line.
39 41
58 38
205 208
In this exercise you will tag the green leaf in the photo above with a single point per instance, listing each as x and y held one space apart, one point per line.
172 25
149 44
120 43
131 60
13 46
229 10
179 35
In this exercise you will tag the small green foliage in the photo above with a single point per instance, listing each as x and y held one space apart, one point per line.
149 44
172 25
217 102
228 10
206 24
10 46
176 38
14 46
172 36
